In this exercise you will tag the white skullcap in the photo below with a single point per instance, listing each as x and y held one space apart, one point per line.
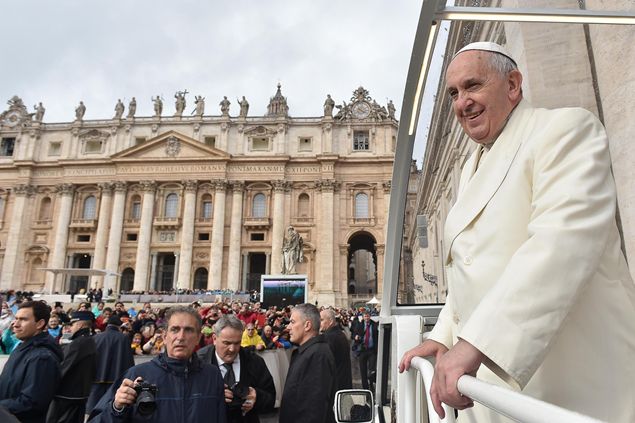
486 46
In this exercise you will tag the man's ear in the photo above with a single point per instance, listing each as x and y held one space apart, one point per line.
41 325
514 84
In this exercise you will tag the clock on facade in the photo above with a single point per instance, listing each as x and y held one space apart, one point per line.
361 110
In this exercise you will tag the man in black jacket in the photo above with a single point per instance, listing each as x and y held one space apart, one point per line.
242 368
78 372
114 357
365 338
309 390
32 374
340 347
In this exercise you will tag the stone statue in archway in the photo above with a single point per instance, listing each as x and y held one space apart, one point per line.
292 253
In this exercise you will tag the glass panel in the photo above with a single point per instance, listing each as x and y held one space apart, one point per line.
361 205
90 208
171 205
563 65
207 209
259 208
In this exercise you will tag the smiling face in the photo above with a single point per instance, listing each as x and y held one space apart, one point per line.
182 336
482 98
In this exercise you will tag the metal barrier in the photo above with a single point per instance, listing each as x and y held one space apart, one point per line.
509 403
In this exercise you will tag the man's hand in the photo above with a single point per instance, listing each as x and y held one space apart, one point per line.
249 402
126 395
428 348
462 359
229 395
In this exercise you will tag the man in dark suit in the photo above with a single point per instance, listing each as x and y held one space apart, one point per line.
249 388
339 345
114 357
78 372
366 337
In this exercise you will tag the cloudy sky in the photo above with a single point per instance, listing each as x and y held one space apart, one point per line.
63 51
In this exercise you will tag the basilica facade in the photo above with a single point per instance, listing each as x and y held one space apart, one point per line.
196 202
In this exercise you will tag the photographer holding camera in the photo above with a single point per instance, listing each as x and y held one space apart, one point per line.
249 387
174 387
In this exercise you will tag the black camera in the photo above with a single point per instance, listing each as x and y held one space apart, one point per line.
240 392
146 402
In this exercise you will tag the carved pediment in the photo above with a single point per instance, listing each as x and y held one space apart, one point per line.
260 131
171 146
94 135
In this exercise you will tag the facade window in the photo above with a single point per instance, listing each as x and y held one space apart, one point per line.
259 206
207 208
83 238
6 147
257 236
45 209
304 204
361 206
203 236
200 278
210 142
55 148
1 207
171 206
306 144
93 147
139 140
131 237
360 141
259 144
135 208
90 208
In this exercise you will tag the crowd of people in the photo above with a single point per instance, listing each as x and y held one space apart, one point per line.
90 350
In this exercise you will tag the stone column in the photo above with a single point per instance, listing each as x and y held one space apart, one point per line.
218 232
65 193
16 233
145 236
235 232
114 236
103 222
176 271
325 283
277 231
343 275
379 250
153 272
187 236
245 271
268 264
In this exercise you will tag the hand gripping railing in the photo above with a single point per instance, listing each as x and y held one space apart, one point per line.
514 405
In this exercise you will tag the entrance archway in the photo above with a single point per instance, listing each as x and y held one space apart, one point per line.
362 264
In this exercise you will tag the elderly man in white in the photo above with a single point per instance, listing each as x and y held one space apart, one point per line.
540 297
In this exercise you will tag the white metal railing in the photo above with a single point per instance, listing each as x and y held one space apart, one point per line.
509 403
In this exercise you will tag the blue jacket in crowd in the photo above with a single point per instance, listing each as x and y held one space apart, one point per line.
188 391
30 378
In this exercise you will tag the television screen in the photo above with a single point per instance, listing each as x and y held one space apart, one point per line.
283 291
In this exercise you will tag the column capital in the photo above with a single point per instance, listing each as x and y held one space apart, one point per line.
344 249
65 189
328 185
24 189
380 248
220 185
387 185
280 185
190 185
237 186
120 186
148 185
106 187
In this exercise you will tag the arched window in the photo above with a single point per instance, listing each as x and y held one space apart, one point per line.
259 206
1 207
127 280
304 205
171 205
90 208
361 206
45 209
207 208
200 278
135 208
